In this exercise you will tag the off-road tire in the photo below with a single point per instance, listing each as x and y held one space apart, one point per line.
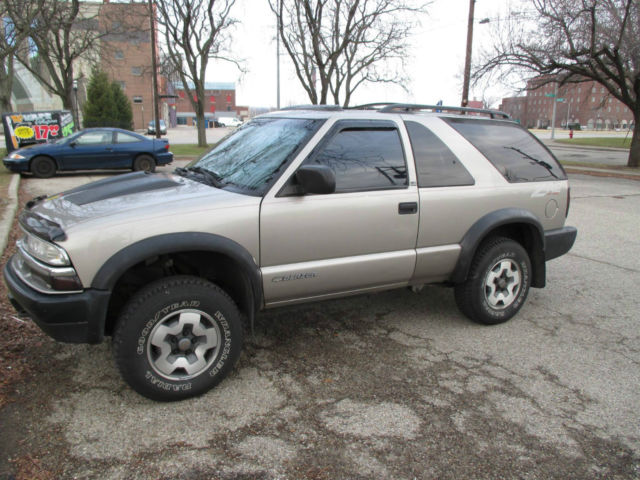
144 163
153 336
498 282
43 167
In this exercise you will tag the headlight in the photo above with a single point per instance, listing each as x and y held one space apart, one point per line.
44 251
16 156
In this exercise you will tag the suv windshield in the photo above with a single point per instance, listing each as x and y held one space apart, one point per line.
251 157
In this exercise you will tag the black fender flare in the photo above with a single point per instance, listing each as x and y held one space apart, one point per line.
491 221
120 262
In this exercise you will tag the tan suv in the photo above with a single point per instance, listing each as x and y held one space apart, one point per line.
295 206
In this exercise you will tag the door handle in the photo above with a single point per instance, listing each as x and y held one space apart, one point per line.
407 208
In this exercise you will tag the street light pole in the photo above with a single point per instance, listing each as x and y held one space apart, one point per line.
553 115
467 61
75 95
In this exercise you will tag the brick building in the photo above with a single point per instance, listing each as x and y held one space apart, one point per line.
126 56
220 101
587 104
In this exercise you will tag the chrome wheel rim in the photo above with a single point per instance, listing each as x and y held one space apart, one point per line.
183 344
502 284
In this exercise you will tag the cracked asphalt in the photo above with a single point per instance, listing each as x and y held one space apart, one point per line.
395 385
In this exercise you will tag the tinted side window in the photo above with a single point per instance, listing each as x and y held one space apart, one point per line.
126 138
437 166
365 159
517 154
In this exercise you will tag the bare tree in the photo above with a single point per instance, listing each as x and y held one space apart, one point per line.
572 41
195 31
345 43
10 39
60 35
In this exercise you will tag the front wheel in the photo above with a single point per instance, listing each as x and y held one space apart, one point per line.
43 167
177 338
497 284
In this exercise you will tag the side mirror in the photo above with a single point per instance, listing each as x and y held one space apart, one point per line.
316 179
73 144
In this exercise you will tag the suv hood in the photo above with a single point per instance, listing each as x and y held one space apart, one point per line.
138 195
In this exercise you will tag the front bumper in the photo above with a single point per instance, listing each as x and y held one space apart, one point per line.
16 165
558 242
71 318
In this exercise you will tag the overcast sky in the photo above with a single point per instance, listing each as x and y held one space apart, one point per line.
435 67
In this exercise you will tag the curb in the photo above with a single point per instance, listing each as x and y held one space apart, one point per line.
561 145
595 172
10 212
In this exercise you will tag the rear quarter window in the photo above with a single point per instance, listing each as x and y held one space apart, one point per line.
437 166
516 153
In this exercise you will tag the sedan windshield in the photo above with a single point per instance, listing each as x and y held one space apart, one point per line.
253 155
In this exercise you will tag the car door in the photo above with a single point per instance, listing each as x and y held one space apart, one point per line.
127 146
91 149
361 237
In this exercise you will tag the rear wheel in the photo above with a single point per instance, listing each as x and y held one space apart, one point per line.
43 167
497 284
177 338
144 163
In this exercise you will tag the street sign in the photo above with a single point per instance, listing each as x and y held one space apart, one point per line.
559 99
551 95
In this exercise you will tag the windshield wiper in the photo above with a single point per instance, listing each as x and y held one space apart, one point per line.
542 163
201 174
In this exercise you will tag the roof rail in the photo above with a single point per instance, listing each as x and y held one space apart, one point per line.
372 106
409 107
328 108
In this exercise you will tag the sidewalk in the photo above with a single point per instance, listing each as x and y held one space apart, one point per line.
9 212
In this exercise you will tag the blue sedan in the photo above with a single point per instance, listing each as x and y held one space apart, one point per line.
93 148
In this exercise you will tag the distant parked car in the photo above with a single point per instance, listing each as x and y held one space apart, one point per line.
94 148
151 129
229 121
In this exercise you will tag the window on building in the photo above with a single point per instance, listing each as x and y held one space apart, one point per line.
579 89
437 166
137 71
181 121
137 99
119 54
364 159
593 99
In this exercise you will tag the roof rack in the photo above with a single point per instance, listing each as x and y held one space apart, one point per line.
409 107
372 106
327 108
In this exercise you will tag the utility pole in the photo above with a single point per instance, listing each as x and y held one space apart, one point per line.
467 61
154 68
278 59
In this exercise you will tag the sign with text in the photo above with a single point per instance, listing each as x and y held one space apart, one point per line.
28 128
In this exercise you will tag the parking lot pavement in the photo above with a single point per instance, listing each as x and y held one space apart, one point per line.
189 135
393 385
